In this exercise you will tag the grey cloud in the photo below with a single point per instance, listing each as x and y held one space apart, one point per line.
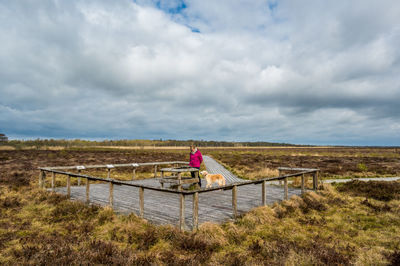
101 69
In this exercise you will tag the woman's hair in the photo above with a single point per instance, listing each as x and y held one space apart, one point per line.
193 145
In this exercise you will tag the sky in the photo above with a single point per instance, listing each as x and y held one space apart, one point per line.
304 72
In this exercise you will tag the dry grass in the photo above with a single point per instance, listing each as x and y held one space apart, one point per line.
262 173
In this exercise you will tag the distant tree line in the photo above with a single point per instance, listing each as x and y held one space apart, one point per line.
38 143
212 143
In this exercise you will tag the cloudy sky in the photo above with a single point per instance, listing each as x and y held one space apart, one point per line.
310 72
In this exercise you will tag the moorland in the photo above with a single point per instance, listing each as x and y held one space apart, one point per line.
352 223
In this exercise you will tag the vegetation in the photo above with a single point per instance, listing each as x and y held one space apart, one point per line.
46 143
353 223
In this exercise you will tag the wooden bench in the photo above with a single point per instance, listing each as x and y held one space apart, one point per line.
176 178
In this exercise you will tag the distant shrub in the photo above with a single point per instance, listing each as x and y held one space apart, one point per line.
362 167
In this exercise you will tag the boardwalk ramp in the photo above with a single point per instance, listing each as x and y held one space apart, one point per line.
213 167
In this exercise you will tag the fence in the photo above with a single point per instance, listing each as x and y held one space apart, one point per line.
302 172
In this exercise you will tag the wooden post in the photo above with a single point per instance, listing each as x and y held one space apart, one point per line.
195 211
53 181
162 177
155 171
179 181
302 184
40 179
79 179
234 201
134 173
141 202
43 182
280 181
315 180
111 195
196 175
108 172
87 191
182 212
264 194
286 188
68 186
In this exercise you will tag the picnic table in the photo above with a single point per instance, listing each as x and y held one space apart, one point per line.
176 176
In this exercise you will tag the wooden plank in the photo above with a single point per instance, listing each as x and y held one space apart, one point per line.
111 194
263 194
87 191
285 181
234 201
182 212
141 202
195 226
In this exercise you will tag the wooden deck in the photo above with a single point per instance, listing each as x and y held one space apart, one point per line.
163 208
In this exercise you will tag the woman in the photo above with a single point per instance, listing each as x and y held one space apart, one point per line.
195 160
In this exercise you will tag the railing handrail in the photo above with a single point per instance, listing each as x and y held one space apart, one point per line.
296 169
185 192
107 165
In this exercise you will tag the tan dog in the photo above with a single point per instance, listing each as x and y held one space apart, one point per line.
212 178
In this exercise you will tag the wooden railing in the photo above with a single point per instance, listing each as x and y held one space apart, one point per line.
195 193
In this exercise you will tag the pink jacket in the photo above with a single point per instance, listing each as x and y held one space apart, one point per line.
195 159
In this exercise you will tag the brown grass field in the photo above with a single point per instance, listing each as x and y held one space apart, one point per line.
355 223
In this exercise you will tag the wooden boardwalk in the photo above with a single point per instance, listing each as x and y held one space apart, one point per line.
163 208
213 167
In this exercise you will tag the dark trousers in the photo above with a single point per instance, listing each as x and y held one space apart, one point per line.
193 175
